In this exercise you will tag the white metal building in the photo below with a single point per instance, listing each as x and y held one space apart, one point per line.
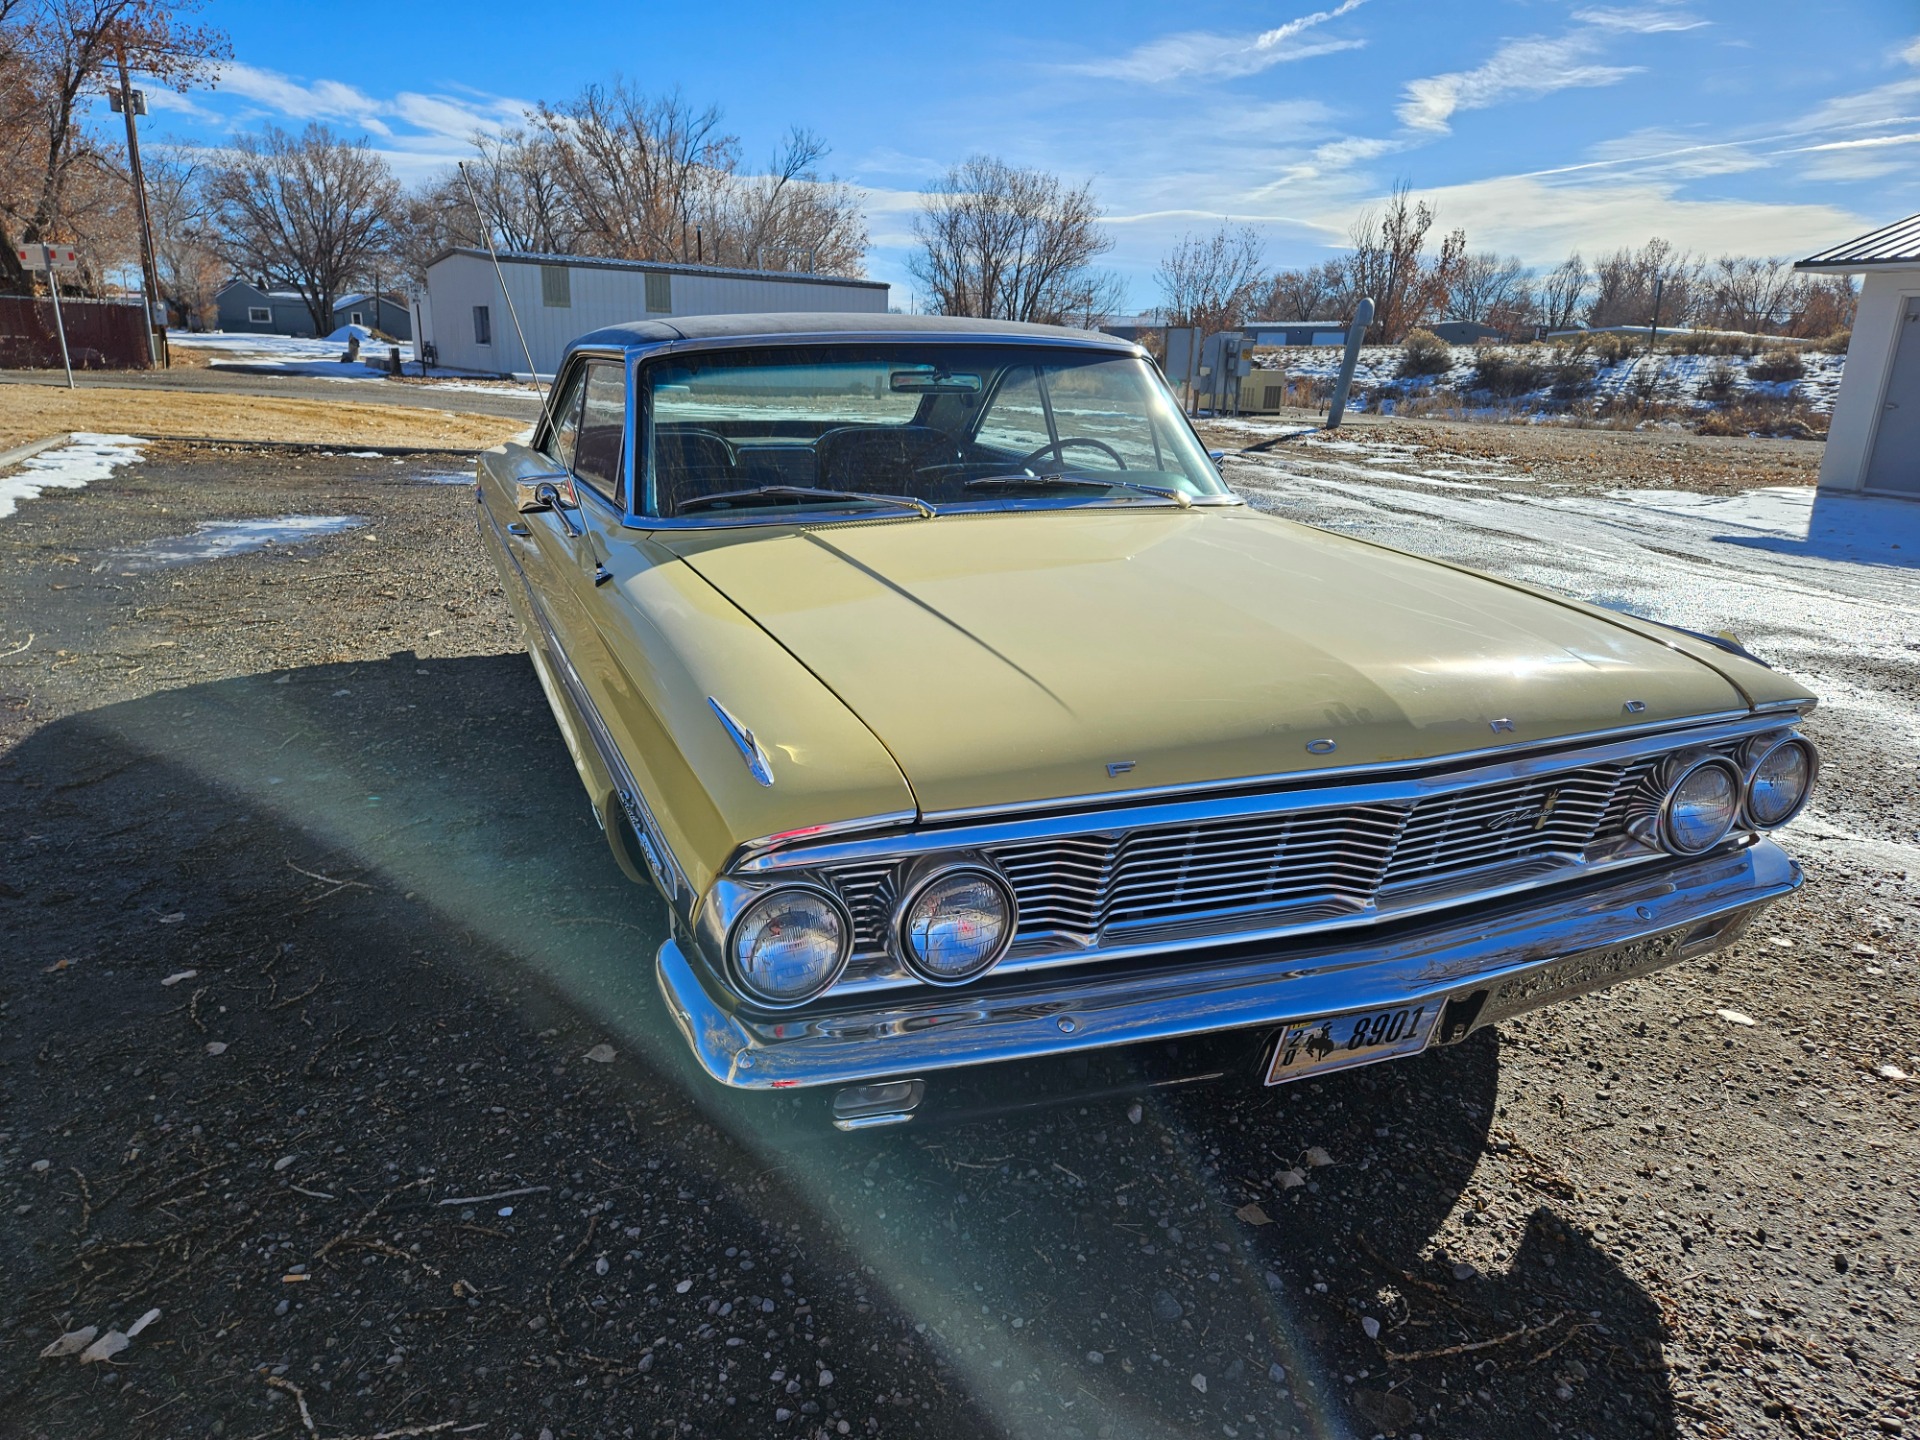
1873 441
559 297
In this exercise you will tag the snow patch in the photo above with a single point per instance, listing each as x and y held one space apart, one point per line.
217 539
88 457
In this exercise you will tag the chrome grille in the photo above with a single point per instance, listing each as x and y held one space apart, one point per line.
1166 882
1469 830
1087 886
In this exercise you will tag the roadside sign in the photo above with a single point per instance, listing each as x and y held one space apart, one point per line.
57 259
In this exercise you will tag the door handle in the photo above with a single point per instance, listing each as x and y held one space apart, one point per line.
514 527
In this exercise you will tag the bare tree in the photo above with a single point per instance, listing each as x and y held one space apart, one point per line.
618 173
1562 293
1390 264
1491 290
311 211
1317 292
185 254
1746 292
52 53
1012 244
1211 280
1822 305
1626 283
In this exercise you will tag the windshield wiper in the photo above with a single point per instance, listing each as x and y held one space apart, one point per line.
803 492
1163 492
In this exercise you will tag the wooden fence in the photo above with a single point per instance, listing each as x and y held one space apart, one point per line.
101 334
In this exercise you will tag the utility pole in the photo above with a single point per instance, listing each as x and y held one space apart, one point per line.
129 99
1653 328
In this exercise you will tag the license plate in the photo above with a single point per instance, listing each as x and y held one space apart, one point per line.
1338 1042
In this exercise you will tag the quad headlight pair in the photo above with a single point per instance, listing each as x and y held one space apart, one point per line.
791 943
1707 796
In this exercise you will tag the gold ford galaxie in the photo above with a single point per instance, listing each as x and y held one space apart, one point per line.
965 718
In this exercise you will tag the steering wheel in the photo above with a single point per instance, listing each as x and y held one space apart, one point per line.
1081 440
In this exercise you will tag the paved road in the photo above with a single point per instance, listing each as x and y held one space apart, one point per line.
237 380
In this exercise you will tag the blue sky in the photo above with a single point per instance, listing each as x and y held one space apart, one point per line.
1538 125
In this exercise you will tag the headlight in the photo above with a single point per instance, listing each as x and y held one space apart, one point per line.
1780 783
790 944
1702 807
956 925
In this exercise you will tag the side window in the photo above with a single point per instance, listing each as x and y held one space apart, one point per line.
603 428
1016 421
559 444
482 325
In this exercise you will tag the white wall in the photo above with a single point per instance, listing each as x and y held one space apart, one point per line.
600 297
1863 388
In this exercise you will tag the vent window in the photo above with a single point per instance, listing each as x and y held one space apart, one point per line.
659 293
556 286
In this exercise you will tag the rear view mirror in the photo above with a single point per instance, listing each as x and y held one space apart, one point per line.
929 380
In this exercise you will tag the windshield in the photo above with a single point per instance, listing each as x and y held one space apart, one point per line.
861 427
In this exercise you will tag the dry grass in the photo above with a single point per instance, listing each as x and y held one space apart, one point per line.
30 412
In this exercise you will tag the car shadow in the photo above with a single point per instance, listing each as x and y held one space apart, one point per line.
1357 1254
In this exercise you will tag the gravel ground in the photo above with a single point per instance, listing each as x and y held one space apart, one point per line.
1555 457
308 950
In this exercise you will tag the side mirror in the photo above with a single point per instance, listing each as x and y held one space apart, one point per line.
542 492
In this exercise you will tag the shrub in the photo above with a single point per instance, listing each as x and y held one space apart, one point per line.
1570 378
1425 353
1611 347
1721 384
1790 419
1777 365
1714 342
1836 343
1503 374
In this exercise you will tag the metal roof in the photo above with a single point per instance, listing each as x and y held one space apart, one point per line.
838 325
1895 244
674 267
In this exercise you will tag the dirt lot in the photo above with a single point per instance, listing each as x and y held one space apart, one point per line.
30 412
308 944
1584 461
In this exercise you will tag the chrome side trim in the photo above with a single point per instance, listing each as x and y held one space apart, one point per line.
1704 727
661 862
809 834
1515 961
758 765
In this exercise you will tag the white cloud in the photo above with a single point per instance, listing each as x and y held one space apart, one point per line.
429 119
1541 222
1530 67
1912 53
1863 159
1663 152
1195 53
298 100
1639 22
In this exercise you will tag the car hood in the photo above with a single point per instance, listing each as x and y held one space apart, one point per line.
1008 658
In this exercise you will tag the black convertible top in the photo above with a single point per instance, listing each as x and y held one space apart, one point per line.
836 325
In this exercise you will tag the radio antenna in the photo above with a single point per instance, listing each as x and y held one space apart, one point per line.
486 234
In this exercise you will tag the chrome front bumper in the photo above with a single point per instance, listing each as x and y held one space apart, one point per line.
1481 968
